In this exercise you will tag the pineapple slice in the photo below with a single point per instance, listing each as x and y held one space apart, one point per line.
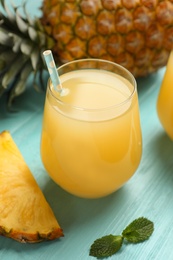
25 215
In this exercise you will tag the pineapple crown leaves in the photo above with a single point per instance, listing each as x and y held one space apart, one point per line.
22 41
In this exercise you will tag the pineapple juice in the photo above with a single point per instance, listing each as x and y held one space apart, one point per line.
91 138
165 99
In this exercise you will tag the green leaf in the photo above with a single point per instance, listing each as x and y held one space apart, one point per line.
42 38
106 246
16 43
10 14
30 20
22 25
7 56
19 83
5 39
12 72
35 59
139 230
26 47
32 33
26 71
2 64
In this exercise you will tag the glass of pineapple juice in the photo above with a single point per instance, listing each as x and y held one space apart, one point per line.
165 99
91 138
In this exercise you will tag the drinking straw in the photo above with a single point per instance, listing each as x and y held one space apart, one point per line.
52 70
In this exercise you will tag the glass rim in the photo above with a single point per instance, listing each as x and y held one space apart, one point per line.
134 84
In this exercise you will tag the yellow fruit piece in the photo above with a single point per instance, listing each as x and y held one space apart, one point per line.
25 215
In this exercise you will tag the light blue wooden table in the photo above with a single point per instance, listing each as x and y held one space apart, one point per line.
149 192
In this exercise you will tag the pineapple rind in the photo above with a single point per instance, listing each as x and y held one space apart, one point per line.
140 26
25 215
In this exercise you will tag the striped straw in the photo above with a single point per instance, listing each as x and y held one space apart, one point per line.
52 70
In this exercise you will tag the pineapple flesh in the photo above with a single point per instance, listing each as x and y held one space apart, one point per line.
25 215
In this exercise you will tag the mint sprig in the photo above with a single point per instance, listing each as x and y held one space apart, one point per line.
137 231
106 246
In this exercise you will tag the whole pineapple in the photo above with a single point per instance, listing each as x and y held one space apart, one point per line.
137 34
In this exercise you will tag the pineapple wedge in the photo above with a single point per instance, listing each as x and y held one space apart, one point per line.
25 215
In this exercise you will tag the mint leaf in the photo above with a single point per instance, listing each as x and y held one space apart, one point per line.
106 246
139 230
